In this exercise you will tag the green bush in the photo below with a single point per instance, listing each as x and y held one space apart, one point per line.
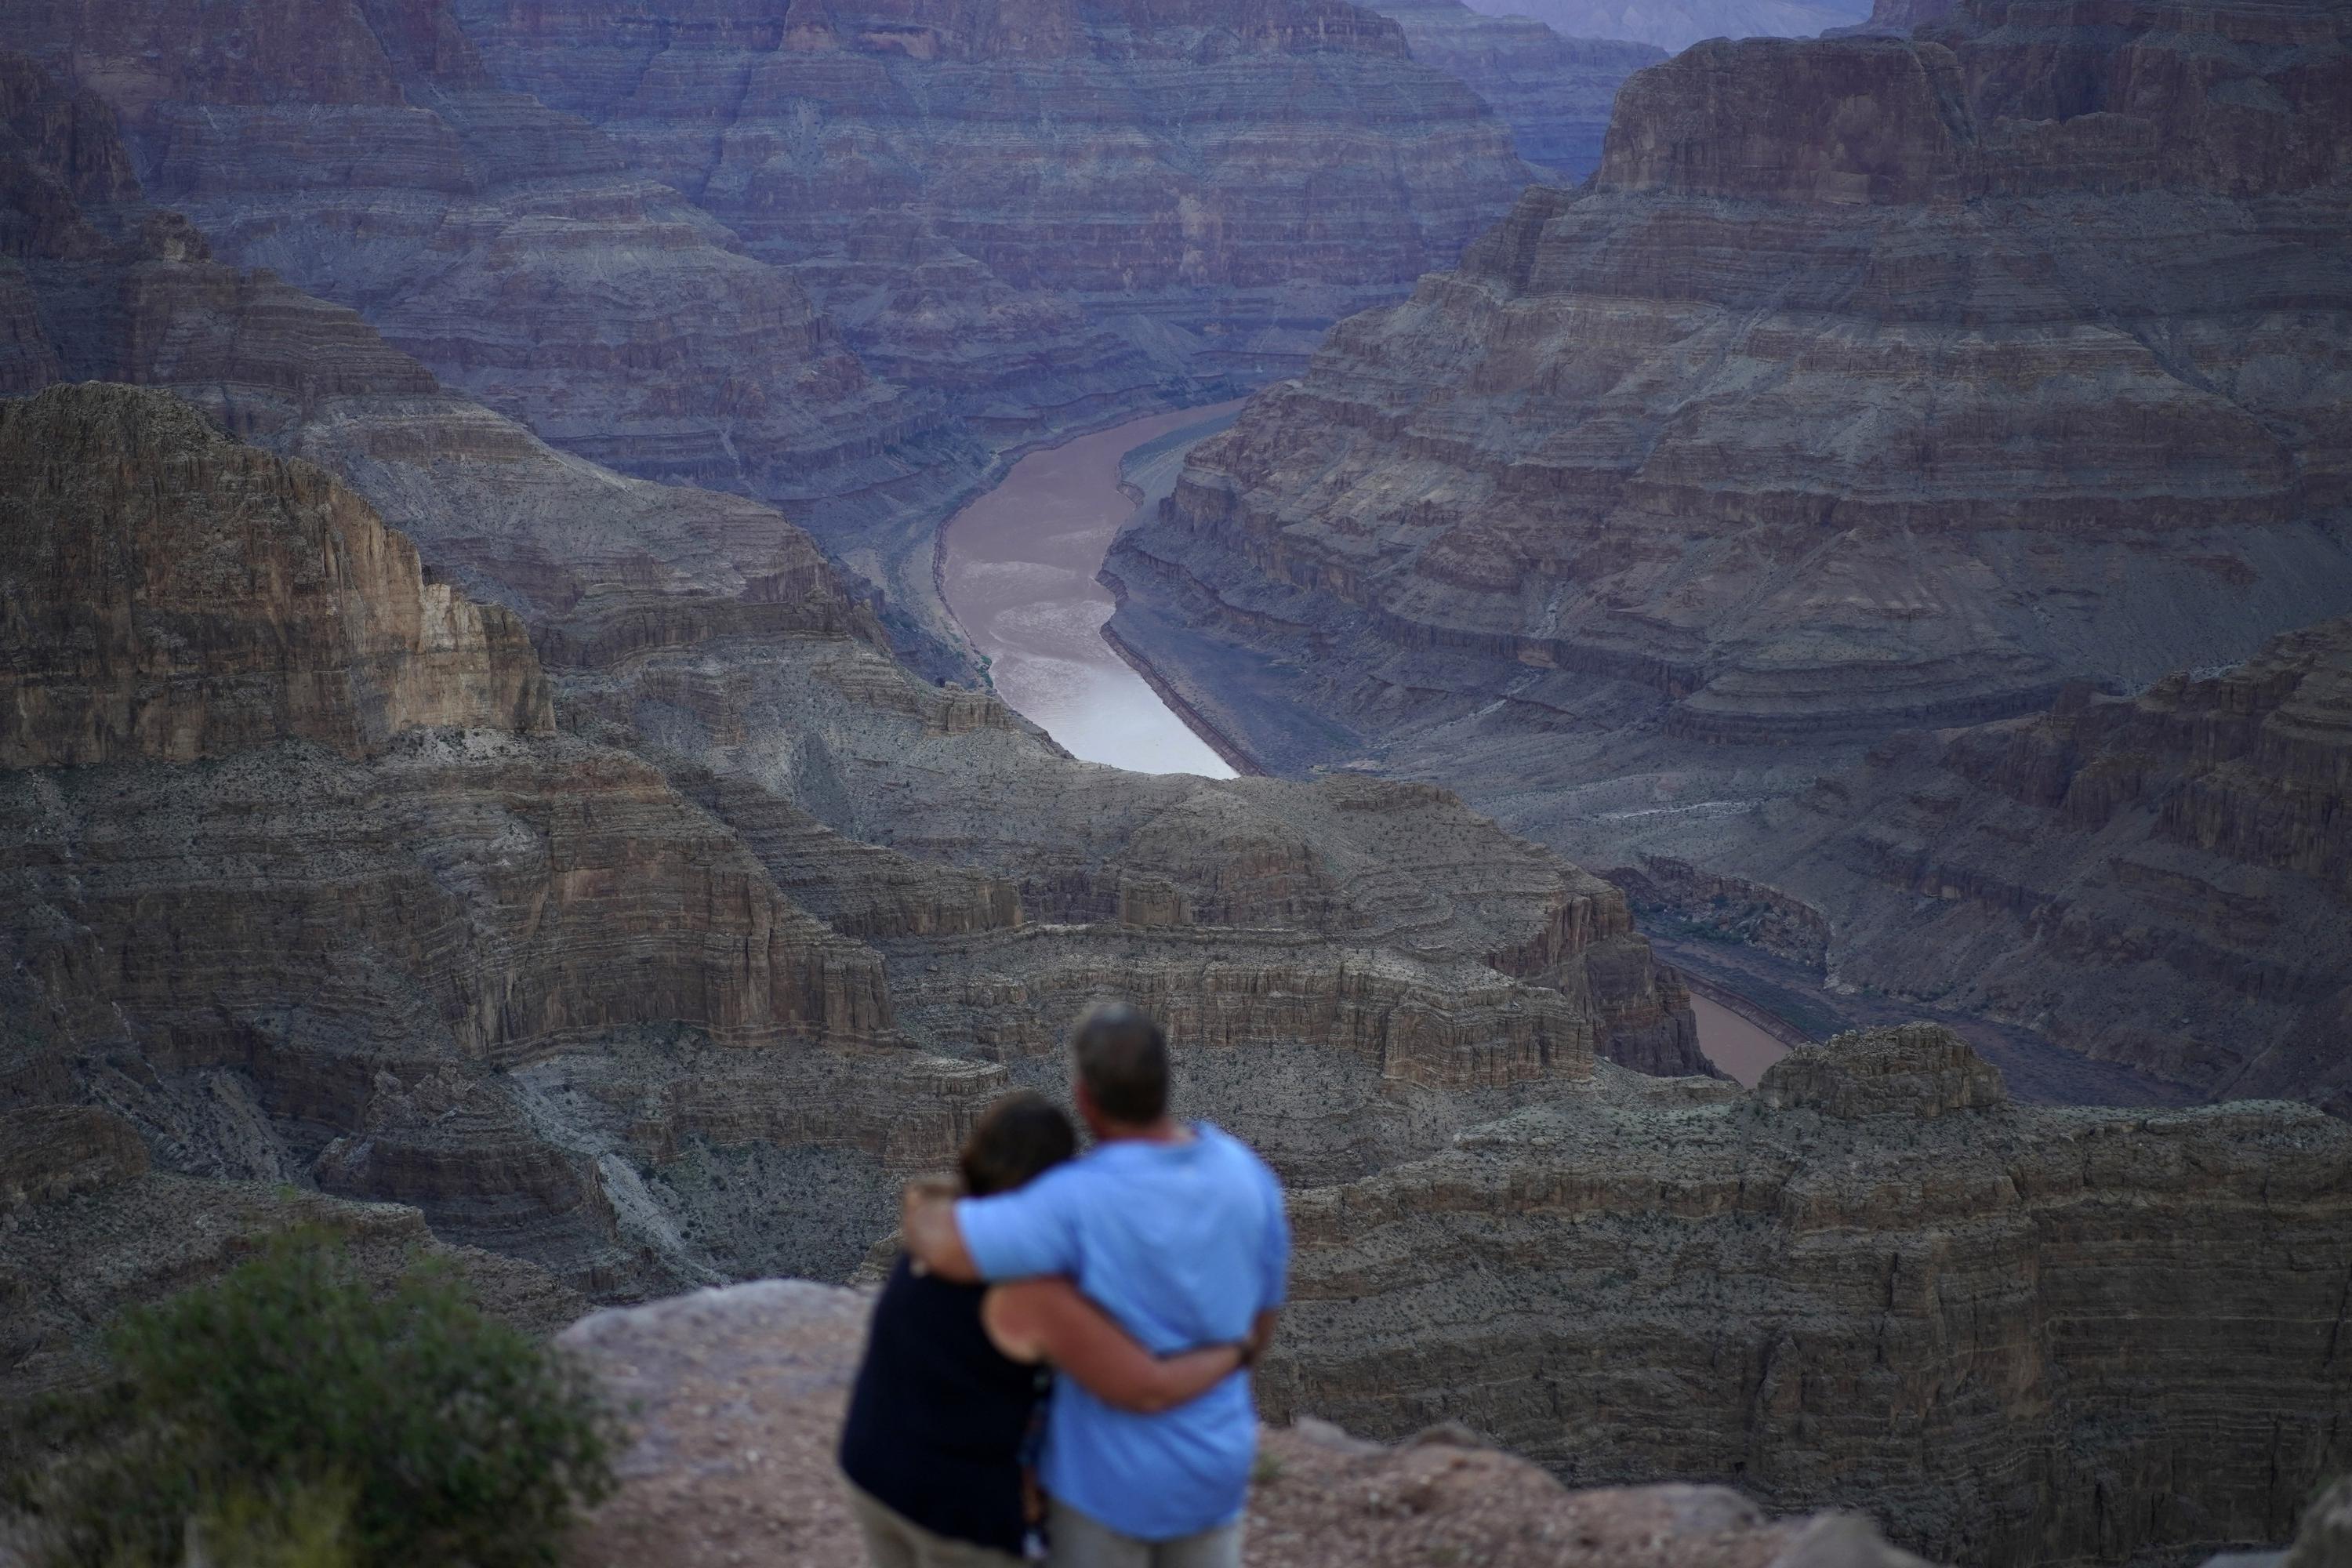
293 1417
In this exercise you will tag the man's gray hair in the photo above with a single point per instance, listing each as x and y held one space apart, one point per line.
1122 1059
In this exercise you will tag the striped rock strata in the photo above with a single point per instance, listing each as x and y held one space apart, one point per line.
671 991
2015 1335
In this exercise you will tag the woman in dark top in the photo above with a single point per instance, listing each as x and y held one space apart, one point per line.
954 1376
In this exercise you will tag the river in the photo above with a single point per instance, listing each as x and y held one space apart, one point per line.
1734 1044
1019 573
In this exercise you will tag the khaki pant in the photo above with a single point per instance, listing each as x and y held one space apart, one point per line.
1082 1541
894 1540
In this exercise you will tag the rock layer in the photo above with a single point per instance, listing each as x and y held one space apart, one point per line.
1873 384
361 151
2159 880
670 994
1055 206
1892 475
2024 1334
169 593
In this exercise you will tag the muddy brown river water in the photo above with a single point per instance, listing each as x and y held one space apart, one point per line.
1019 573
1734 1044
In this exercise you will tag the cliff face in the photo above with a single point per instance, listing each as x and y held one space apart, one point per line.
2184 846
2020 1332
171 595
360 150
1046 205
1872 385
115 288
1554 92
1809 421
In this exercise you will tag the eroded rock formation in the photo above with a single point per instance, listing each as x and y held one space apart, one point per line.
810 255
1873 384
2160 880
669 994
1049 206
2023 1334
361 150
1890 476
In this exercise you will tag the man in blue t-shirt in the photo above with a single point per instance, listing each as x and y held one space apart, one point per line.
1176 1231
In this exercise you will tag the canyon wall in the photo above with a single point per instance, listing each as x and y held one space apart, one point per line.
840 261
360 150
1873 385
2185 845
2024 1335
313 891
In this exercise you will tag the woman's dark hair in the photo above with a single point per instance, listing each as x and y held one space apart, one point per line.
1019 1138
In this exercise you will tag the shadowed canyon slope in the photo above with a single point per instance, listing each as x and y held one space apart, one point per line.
2185 846
1044 204
1873 1279
1872 385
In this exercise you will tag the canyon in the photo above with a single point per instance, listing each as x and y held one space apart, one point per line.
1794 431
344 903
1888 523
846 263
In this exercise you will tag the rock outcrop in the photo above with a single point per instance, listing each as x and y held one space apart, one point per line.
1554 92
2015 1335
2160 880
168 593
742 1390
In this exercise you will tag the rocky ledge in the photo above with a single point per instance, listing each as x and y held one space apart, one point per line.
741 1394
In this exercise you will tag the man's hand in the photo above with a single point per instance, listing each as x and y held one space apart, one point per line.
927 1218
1261 1335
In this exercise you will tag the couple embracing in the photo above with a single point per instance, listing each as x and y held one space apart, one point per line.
1079 1324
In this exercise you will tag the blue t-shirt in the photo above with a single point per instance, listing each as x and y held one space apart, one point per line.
1185 1244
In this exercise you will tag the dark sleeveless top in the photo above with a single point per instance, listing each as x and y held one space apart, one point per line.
938 1415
